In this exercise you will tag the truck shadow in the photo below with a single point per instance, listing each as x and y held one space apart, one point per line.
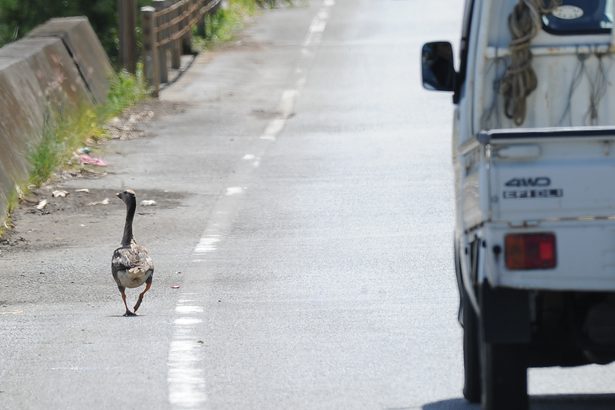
546 402
452 404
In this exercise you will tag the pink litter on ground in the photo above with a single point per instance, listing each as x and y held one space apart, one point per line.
175 287
89 160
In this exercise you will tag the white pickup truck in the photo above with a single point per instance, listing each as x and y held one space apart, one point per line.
534 160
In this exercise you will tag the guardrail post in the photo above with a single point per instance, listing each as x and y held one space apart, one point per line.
163 51
127 11
187 39
200 28
150 49
176 51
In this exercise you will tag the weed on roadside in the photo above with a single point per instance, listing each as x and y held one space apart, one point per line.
226 21
126 90
63 134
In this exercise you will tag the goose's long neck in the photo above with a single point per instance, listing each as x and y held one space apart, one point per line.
130 215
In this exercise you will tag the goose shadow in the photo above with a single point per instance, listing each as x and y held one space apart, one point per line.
541 402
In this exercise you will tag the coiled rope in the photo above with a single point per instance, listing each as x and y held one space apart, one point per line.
520 80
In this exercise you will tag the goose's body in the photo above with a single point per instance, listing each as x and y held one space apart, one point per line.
131 264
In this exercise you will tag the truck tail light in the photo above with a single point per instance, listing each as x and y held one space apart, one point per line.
530 251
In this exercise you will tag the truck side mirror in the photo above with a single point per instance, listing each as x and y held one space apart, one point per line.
438 66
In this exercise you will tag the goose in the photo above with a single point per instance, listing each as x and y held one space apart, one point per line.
131 264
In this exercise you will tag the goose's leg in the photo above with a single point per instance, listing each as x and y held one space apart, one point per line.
123 292
148 284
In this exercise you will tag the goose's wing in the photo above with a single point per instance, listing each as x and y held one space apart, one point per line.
123 259
131 266
142 262
132 256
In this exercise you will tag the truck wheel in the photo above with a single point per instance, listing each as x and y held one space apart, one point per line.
471 353
504 372
471 339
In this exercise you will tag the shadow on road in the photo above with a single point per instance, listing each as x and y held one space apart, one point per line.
551 402
452 404
574 401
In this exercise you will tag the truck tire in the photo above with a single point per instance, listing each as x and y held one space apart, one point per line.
504 371
471 339
471 352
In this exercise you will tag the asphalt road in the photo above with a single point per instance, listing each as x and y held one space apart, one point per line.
302 238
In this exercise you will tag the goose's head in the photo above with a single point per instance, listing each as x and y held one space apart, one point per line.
127 196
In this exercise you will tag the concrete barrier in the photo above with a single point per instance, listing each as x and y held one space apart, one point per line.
41 78
85 48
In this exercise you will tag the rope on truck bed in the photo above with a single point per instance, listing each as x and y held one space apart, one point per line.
520 79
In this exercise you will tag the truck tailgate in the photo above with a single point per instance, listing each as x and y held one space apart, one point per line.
552 175
561 182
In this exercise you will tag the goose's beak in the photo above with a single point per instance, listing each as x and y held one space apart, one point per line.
118 195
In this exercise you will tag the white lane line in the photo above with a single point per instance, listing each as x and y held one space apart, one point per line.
12 312
186 373
234 190
185 378
253 158
289 97
319 24
186 367
188 309
187 321
206 244
285 109
287 105
273 129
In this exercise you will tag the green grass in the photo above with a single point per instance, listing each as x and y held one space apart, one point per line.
222 25
11 205
126 90
273 3
46 157
62 135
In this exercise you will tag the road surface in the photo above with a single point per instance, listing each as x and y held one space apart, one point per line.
302 237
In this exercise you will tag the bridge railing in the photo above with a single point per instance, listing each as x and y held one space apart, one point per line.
167 31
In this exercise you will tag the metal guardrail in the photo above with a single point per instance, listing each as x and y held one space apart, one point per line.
167 29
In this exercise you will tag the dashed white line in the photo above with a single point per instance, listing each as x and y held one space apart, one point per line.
186 372
187 321
186 375
234 190
186 381
206 244
273 129
287 105
188 309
